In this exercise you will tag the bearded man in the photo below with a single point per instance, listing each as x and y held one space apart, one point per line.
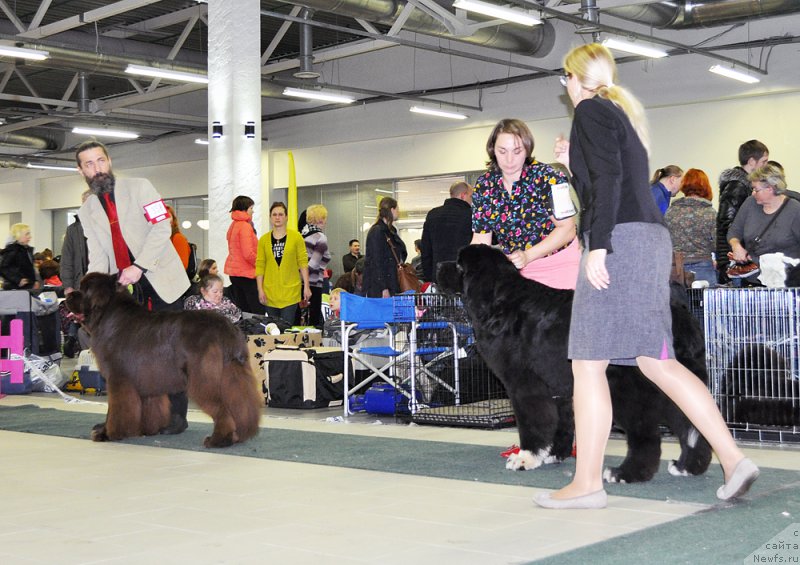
128 231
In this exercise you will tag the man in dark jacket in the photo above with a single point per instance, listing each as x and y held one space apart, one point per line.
353 255
734 188
74 253
447 229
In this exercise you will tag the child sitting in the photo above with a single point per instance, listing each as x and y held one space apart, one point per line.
335 302
211 298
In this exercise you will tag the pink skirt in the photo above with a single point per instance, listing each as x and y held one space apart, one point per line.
559 270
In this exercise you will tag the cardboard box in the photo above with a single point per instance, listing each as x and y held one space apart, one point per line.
258 345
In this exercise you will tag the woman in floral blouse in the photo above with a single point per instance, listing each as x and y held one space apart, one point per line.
513 202
211 298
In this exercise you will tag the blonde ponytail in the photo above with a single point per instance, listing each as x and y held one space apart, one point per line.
596 70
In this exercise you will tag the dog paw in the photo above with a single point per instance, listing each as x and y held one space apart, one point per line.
99 433
527 460
675 471
522 460
610 475
223 441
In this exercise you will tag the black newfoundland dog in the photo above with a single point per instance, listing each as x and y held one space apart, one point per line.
521 329
145 356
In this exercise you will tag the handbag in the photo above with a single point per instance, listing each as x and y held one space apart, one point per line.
746 269
406 274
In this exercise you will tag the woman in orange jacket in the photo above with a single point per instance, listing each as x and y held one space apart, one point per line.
240 265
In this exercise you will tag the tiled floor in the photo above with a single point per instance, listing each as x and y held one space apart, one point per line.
71 501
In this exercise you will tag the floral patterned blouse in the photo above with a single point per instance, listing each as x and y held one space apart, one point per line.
692 223
519 218
226 307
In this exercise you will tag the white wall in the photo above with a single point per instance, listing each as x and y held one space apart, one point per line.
703 135
700 135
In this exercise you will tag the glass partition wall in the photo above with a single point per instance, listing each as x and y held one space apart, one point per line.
353 208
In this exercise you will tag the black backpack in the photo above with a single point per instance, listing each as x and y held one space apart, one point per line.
191 268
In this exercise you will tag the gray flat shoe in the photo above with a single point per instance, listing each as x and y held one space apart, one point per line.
743 476
591 501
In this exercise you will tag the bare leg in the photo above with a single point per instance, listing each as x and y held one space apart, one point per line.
592 405
693 398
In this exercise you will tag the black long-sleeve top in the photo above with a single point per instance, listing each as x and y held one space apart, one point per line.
610 171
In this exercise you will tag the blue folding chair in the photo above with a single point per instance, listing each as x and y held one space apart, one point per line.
372 317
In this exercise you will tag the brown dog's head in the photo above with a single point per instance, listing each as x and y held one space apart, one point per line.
97 290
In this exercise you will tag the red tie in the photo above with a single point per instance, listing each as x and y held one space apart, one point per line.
121 253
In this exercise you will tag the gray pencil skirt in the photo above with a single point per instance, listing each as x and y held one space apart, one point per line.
632 317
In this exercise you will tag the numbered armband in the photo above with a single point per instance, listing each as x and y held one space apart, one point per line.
563 206
156 212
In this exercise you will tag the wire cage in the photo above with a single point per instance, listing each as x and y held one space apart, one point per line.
753 360
451 384
696 303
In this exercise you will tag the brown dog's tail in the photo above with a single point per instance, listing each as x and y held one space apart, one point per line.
242 394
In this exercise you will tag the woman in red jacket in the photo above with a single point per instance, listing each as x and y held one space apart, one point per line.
240 265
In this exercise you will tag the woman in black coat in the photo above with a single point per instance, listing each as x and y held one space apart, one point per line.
380 266
17 267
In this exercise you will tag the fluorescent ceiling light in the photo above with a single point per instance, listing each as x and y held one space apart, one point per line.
634 48
105 132
318 95
495 11
734 74
199 141
50 167
437 113
167 74
22 53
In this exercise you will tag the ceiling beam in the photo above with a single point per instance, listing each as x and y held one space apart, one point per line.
37 19
85 18
158 22
163 92
26 124
279 35
11 16
44 102
408 43
603 5
176 48
577 20
69 90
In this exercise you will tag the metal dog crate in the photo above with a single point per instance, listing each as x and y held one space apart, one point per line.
753 360
452 384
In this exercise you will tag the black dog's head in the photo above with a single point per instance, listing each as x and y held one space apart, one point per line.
97 290
473 261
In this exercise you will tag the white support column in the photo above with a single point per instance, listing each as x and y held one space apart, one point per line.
234 98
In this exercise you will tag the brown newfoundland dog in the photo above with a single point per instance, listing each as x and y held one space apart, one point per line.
144 356
522 329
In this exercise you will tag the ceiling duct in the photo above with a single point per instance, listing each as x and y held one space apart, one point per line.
83 94
31 142
703 13
537 41
306 70
592 16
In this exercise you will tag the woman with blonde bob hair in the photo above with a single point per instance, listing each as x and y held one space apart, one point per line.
318 258
621 311
16 263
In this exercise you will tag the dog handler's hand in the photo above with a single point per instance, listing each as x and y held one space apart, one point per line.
596 269
518 258
130 275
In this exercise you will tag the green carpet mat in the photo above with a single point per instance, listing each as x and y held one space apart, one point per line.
724 533
425 458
